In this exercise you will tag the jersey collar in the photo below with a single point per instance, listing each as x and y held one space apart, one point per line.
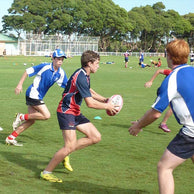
84 71
52 68
180 66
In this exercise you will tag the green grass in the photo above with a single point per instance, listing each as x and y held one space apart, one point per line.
119 164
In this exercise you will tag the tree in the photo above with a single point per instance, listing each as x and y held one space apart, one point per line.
179 24
83 17
26 15
190 35
98 18
152 26
145 27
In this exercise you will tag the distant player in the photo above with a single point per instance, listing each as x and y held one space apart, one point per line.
141 57
148 84
157 63
126 55
192 58
143 65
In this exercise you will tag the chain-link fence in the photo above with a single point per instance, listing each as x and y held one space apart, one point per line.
44 45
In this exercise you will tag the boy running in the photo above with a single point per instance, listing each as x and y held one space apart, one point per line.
46 75
71 119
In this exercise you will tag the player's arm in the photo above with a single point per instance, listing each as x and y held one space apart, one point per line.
62 82
92 103
18 88
149 117
97 96
149 83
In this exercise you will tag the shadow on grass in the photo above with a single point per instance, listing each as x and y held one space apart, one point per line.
155 132
25 160
86 187
117 125
3 136
144 130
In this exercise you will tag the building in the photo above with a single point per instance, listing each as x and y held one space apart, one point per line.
8 45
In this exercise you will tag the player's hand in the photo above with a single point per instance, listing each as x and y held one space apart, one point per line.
113 109
134 129
18 90
148 84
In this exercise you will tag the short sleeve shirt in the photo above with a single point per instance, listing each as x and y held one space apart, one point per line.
78 87
178 91
45 78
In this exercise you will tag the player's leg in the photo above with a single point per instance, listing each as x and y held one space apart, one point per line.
10 140
70 139
26 124
166 165
93 136
167 115
72 144
192 158
126 62
41 113
163 124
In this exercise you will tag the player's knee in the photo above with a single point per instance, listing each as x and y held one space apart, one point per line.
160 166
96 138
47 116
70 148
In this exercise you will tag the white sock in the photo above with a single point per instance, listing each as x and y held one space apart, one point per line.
46 172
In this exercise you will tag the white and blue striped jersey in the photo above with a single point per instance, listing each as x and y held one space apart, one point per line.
178 91
45 78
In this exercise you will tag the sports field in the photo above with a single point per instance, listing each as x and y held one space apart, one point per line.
119 164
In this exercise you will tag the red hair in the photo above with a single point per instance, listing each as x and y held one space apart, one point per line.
178 51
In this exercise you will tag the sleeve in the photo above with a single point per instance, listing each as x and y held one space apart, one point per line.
83 86
31 71
62 81
162 100
167 71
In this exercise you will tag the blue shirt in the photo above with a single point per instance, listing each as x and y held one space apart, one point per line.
45 78
78 87
178 91
141 59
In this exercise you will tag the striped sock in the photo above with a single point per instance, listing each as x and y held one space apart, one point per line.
13 135
24 117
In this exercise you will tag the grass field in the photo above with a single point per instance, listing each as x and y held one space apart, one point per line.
119 164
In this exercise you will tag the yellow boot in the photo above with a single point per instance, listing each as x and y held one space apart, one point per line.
66 164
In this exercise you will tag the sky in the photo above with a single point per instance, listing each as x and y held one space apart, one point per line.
181 6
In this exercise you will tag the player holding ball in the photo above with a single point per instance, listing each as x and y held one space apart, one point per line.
70 117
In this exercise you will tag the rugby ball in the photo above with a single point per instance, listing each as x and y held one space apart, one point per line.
116 100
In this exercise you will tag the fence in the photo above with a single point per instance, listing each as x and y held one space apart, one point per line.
43 45
136 54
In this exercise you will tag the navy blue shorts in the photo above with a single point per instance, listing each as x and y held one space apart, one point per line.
33 102
69 121
182 146
126 59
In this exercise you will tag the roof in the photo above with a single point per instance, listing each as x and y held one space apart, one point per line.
6 38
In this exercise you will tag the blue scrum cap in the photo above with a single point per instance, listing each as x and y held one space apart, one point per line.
59 53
